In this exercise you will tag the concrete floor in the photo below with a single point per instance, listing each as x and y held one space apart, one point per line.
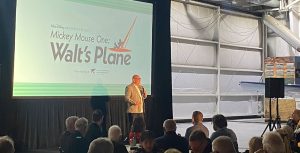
244 129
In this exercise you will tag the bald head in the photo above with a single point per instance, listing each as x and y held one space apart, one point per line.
114 133
223 144
169 125
136 79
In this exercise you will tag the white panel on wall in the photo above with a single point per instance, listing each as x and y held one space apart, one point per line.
230 84
240 108
240 59
194 99
193 53
184 111
194 69
193 83
240 31
193 21
277 47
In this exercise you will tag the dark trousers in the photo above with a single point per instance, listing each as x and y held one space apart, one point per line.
132 116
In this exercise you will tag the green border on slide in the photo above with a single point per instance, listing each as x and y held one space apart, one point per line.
69 89
126 5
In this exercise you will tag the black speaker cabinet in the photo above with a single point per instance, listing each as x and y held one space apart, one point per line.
274 87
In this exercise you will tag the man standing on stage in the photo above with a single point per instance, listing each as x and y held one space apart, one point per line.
135 94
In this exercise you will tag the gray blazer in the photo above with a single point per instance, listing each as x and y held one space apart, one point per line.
134 99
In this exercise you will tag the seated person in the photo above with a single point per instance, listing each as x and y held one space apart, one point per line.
197 119
101 145
273 143
172 150
255 144
286 132
223 144
114 134
95 129
199 143
147 143
293 121
6 145
138 126
66 136
220 127
78 143
170 139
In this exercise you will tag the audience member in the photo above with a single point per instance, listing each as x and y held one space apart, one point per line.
78 142
6 145
172 150
197 119
199 143
101 145
255 144
286 133
95 129
293 121
66 136
114 134
223 144
220 127
138 126
272 143
170 139
147 143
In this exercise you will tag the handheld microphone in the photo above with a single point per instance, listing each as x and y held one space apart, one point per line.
142 90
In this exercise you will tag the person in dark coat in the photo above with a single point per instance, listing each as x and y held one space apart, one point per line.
95 129
170 139
199 143
220 127
78 143
114 134
147 143
66 136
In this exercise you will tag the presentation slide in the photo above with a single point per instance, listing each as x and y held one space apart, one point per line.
81 47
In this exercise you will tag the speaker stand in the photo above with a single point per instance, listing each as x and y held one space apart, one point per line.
272 124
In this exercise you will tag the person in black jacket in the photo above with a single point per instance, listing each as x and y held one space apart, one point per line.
199 143
147 143
170 139
66 136
114 134
78 143
95 129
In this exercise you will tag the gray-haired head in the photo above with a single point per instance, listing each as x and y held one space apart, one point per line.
81 125
6 145
223 144
114 133
101 145
255 144
172 150
70 123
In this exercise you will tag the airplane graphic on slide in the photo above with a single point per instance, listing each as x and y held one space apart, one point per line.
121 45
